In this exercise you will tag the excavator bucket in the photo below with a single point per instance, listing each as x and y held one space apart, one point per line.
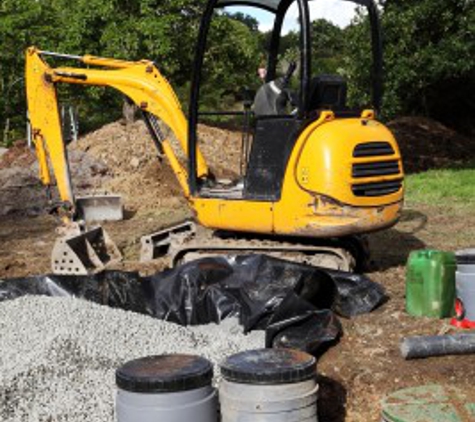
99 208
85 253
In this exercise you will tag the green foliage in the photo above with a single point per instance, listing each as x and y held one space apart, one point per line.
327 49
429 53
249 21
328 42
162 30
230 64
21 22
429 57
358 61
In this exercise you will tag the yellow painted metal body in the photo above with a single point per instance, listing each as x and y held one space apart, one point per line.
316 199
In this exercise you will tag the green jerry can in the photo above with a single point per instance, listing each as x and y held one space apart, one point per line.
430 283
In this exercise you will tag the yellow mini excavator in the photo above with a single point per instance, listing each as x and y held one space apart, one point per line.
317 177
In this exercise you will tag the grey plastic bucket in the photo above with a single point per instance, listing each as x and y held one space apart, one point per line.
269 385
198 405
465 283
168 388
295 402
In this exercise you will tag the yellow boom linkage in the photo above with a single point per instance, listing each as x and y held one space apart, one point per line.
140 81
81 251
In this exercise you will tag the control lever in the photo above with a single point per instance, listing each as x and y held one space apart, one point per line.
288 74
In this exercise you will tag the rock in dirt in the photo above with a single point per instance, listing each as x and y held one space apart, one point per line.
21 190
58 355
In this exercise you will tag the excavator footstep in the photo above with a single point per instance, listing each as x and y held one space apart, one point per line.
158 244
86 253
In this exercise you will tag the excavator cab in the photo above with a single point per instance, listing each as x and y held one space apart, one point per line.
315 169
282 106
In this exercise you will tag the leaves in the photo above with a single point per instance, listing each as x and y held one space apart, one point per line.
426 44
429 52
161 30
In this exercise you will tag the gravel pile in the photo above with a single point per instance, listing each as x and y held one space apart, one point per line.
58 355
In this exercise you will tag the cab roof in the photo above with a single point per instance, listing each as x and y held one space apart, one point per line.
271 5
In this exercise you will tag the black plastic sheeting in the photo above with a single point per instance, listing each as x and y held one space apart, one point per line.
296 304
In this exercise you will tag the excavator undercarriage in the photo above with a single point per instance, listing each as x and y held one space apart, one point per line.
187 241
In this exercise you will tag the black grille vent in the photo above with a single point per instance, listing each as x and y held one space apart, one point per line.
377 188
382 168
373 149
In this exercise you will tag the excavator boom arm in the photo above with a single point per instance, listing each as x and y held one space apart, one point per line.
140 81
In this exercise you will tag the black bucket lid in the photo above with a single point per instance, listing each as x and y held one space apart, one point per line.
465 257
164 374
269 367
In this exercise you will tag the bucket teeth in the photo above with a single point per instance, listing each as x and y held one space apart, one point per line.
83 254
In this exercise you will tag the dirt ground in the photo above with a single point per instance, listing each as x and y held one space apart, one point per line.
357 372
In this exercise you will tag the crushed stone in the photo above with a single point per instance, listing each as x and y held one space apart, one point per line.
58 355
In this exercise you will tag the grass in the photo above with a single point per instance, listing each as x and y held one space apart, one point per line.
447 187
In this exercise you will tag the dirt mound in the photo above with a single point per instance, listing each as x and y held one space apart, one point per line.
117 158
122 148
222 150
17 156
145 180
137 173
427 144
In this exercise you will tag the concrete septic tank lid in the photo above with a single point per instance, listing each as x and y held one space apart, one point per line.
434 403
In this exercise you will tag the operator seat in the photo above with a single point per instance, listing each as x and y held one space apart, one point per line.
327 92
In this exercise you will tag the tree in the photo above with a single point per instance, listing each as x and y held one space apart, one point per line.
327 47
22 22
231 60
162 30
251 22
429 51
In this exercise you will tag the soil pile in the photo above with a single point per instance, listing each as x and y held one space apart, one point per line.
137 173
17 156
140 175
426 144
118 158
222 150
